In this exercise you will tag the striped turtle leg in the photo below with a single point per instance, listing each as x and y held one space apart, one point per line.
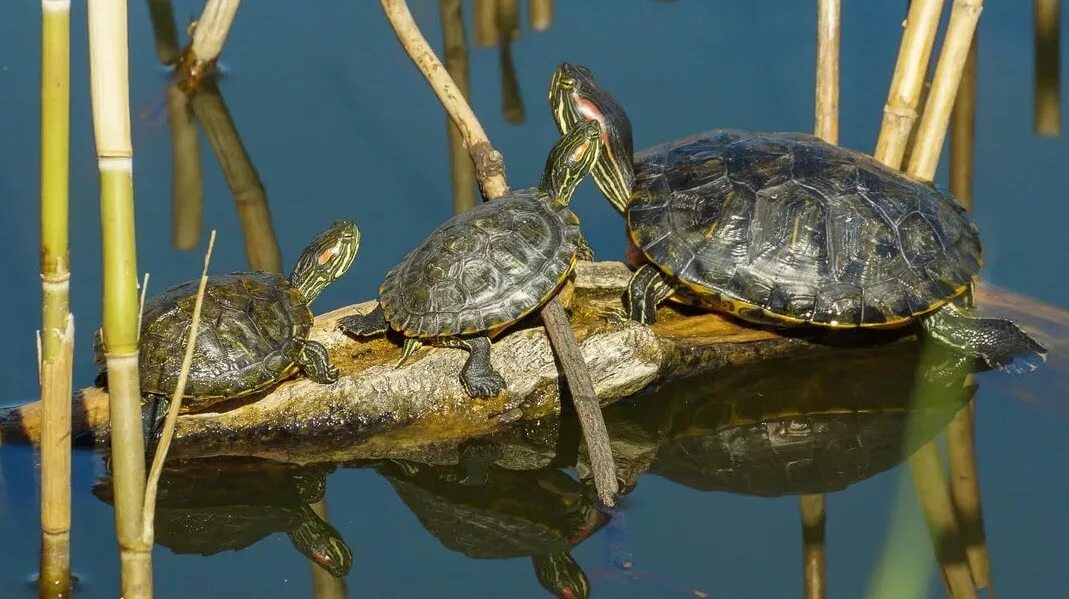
365 325
409 348
153 413
999 343
477 375
647 288
320 542
315 363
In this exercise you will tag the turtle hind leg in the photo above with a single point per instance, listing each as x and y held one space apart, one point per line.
315 363
477 375
153 413
999 343
647 288
365 325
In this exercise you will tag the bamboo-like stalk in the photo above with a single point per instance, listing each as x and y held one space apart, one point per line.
111 124
1048 18
324 585
162 14
932 130
456 63
558 328
489 165
187 183
148 509
963 132
900 112
540 14
209 35
485 23
508 23
57 332
250 196
814 518
827 90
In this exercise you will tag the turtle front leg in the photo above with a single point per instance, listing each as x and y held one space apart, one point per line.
315 363
647 288
365 325
999 343
477 375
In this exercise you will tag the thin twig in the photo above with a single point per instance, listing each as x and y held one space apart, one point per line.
152 484
492 181
827 95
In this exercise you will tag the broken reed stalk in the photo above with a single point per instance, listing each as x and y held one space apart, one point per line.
163 30
250 196
508 23
455 45
148 510
56 338
963 132
814 518
1047 109
485 23
540 14
825 126
187 180
324 585
924 158
108 63
209 35
492 181
900 111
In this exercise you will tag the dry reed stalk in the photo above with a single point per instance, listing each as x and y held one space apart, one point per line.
456 63
163 30
827 93
56 339
187 182
963 132
930 483
325 585
900 112
508 22
111 125
485 23
540 14
250 197
814 517
489 165
932 130
492 181
209 35
148 509
1048 118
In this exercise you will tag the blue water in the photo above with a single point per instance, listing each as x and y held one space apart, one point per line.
340 125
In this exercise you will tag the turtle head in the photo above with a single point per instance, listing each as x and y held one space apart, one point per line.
326 258
569 161
575 98
319 542
559 574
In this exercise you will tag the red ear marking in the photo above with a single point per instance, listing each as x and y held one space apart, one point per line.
328 254
580 151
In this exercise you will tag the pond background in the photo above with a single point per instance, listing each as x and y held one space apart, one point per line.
340 125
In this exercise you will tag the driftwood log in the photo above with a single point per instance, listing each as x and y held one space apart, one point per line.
376 411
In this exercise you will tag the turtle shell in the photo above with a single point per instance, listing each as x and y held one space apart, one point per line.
786 227
482 269
248 321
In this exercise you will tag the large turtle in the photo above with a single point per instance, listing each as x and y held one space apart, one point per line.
786 229
539 514
484 269
253 330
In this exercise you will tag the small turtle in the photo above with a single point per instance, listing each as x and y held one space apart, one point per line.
485 269
253 330
786 229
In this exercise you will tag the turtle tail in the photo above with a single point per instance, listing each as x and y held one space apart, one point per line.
998 343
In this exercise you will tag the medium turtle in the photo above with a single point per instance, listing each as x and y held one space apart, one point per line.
786 229
253 330
484 269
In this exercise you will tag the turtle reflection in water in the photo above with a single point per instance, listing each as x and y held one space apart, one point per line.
810 425
536 513
207 506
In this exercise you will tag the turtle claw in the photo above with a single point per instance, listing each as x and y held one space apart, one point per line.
484 384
